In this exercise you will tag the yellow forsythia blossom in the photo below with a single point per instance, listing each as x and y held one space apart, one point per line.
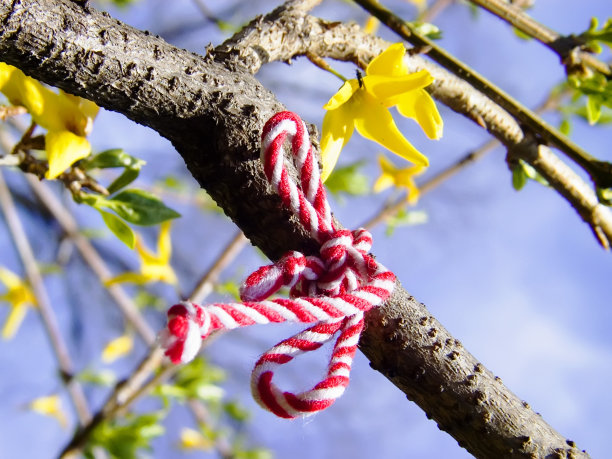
193 440
68 119
19 296
154 267
117 348
364 103
401 178
50 406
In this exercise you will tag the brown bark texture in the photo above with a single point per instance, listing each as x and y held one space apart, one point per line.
212 109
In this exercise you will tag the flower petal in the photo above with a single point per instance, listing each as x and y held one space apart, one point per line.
374 122
419 106
50 406
128 276
390 62
382 183
164 243
64 149
337 130
117 348
9 278
345 92
388 89
14 320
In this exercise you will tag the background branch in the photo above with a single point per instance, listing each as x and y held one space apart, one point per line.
568 48
44 306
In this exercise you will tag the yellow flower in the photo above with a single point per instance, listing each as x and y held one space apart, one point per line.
363 104
50 406
68 119
117 348
404 178
20 298
194 440
154 267
421 4
371 26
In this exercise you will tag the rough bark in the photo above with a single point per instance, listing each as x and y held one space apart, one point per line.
212 110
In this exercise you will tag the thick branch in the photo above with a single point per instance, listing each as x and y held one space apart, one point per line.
213 114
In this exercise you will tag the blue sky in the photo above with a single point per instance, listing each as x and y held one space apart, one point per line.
516 276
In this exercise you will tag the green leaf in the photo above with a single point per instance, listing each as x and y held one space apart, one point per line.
119 228
256 453
523 171
125 438
139 207
115 157
519 177
429 30
522 35
199 379
605 196
592 35
593 109
236 411
405 218
349 180
104 378
565 127
534 174
126 177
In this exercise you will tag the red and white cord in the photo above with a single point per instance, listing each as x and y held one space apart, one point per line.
331 291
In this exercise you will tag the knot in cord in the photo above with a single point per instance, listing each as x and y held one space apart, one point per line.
331 291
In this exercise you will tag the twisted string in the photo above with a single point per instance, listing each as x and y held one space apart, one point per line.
331 291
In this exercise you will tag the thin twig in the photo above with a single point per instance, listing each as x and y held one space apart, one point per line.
205 285
566 47
44 305
435 9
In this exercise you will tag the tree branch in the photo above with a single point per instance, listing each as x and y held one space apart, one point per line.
44 305
213 113
568 48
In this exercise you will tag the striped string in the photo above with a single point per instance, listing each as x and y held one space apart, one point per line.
331 291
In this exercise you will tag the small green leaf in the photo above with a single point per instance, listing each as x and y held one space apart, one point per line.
349 180
429 30
605 196
522 172
126 177
139 207
104 378
565 127
592 35
125 438
256 453
115 157
593 109
522 35
119 228
236 411
405 218
519 177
